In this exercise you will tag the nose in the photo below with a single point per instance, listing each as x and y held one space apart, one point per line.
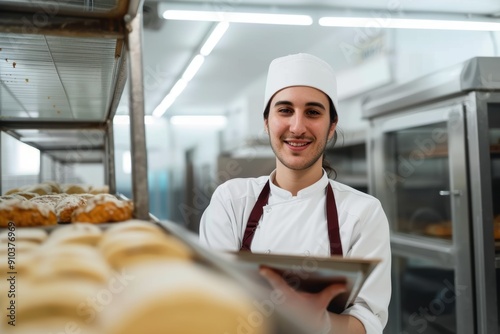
298 124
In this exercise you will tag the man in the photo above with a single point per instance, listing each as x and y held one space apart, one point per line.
297 209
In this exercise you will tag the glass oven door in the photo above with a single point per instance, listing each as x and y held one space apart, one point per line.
420 176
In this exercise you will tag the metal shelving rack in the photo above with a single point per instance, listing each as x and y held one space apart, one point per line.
64 68
431 146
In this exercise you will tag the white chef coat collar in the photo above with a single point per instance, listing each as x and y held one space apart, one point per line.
312 189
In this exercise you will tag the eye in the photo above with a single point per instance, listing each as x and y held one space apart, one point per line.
314 112
285 110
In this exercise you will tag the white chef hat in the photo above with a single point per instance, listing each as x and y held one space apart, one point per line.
300 69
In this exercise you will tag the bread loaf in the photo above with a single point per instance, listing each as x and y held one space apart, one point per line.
25 213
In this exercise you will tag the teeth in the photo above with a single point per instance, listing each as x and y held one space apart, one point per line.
297 144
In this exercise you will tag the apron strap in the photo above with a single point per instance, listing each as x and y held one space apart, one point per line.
331 216
253 220
333 223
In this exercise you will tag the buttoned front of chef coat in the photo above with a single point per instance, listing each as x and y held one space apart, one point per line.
297 225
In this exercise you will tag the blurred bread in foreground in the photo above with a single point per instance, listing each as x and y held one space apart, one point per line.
35 235
77 233
179 298
126 249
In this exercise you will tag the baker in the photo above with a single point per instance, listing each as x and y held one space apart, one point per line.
297 209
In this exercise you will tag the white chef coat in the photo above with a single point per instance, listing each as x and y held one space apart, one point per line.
298 225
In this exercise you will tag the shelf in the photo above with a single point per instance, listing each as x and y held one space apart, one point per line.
96 8
65 87
61 81
64 78
437 250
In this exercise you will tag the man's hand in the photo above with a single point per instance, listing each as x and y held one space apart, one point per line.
310 307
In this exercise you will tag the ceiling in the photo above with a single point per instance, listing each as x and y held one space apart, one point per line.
244 52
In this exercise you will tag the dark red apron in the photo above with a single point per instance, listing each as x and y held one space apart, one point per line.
331 217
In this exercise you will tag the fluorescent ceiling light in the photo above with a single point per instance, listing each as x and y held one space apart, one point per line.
178 88
374 22
192 68
214 38
174 93
197 121
164 105
259 18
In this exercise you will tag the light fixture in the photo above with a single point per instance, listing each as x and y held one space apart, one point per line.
236 17
378 22
170 98
214 38
192 68
212 121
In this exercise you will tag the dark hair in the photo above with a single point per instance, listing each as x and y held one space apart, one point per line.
333 119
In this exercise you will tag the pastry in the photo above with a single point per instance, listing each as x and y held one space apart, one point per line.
69 262
99 190
65 207
177 297
12 191
126 249
52 325
75 189
40 189
12 196
26 195
103 208
439 230
22 265
55 187
26 234
85 196
25 213
48 200
134 225
54 304
79 233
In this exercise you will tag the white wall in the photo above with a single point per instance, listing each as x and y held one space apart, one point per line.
18 158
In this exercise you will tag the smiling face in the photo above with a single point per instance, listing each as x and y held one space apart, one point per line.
299 127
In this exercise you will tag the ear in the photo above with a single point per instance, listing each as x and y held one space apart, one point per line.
266 126
331 132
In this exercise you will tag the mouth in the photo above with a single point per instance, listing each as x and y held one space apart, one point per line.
297 145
